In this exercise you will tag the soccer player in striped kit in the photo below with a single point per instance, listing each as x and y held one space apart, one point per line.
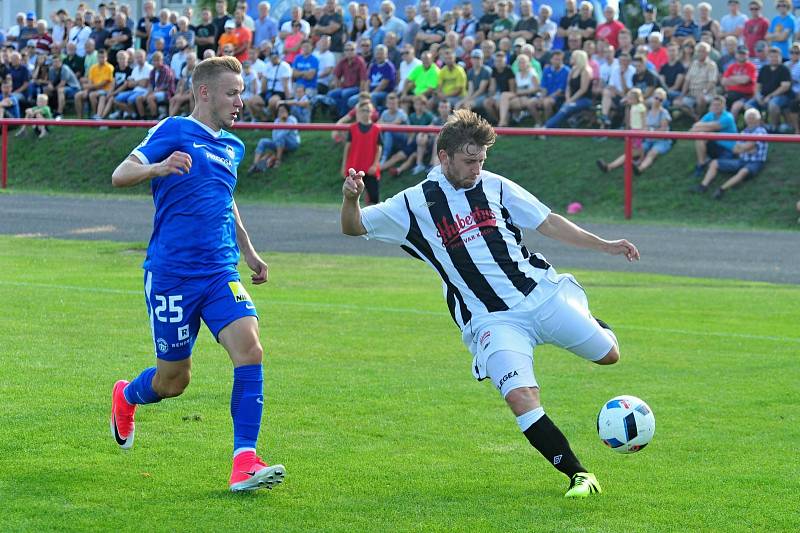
466 224
191 265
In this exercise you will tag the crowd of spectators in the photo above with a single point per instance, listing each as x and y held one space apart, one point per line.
507 62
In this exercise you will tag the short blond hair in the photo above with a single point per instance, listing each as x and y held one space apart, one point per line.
751 112
208 69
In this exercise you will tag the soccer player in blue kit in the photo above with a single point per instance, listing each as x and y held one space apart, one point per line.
191 265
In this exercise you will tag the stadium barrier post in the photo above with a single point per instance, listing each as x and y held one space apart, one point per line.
628 177
5 155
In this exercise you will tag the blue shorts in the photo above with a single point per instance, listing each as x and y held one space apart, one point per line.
661 146
175 306
734 165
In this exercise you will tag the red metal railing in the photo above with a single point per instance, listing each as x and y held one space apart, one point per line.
627 135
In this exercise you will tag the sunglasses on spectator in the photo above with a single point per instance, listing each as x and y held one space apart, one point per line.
796 51
754 8
657 98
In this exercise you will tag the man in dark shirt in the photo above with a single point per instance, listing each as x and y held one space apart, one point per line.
673 72
99 32
74 61
773 89
568 22
432 31
145 23
205 34
527 25
119 39
220 20
644 79
502 81
331 23
488 18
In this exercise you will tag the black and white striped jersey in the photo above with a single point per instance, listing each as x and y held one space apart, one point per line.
471 237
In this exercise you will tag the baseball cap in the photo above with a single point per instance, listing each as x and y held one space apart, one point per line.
742 49
761 45
476 53
230 24
519 41
274 52
649 8
30 16
733 1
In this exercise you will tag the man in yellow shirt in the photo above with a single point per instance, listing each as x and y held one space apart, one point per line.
452 80
99 82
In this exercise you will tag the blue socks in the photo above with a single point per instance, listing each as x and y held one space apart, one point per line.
140 390
247 403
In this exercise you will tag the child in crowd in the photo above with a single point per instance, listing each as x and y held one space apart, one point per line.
300 105
40 110
362 151
406 157
270 152
637 118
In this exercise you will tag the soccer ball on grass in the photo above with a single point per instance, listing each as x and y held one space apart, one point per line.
626 424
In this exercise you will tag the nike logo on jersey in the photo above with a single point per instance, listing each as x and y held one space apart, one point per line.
259 400
199 145
249 306
428 204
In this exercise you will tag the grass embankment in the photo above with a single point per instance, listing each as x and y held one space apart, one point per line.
558 171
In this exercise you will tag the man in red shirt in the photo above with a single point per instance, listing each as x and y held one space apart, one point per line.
658 54
349 78
609 30
756 28
362 151
739 81
244 37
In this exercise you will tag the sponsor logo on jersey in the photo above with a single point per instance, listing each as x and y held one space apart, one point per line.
239 292
183 332
162 345
507 377
229 151
484 340
218 159
450 231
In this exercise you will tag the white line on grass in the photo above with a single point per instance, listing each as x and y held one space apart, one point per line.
404 310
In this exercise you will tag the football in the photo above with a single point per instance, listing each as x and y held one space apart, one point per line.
626 424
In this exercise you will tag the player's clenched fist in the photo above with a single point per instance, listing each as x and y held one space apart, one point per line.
353 184
176 163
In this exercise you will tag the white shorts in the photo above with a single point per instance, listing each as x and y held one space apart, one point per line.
562 319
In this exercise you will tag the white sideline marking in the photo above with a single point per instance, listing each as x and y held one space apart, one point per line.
29 235
93 229
372 308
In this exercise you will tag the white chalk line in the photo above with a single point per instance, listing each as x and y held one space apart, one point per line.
402 310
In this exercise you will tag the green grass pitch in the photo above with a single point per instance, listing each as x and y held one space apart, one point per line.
371 406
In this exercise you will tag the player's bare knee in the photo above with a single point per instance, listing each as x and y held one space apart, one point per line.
610 358
523 399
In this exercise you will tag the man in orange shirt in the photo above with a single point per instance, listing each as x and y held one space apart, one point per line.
229 37
243 35
99 82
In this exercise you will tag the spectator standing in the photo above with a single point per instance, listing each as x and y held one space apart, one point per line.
120 38
527 25
409 36
748 159
44 41
375 33
739 82
391 23
296 16
59 32
568 22
185 31
649 26
393 53
794 67
432 31
220 19
305 69
244 37
547 28
732 24
145 24
99 33
716 120
12 35
28 31
179 55
228 38
756 28
163 29
349 77
270 151
687 27
99 82
609 30
503 25
80 32
247 20
578 94
205 33
362 151
728 57
466 23
782 28
332 24
266 27
773 89
708 24
292 42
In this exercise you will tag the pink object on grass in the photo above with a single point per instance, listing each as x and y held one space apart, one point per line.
574 208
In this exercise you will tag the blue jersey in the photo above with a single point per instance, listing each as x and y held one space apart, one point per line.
194 229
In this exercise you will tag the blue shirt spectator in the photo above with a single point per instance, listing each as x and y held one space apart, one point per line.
555 80
785 23
727 124
306 62
164 31
266 27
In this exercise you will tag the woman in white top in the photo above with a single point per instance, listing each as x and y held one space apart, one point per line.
527 85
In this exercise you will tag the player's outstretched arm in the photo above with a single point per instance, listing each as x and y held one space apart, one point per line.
132 171
251 257
351 210
559 228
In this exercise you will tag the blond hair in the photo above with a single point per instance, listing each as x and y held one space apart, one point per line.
209 69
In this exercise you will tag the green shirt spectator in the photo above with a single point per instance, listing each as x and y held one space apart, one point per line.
424 79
